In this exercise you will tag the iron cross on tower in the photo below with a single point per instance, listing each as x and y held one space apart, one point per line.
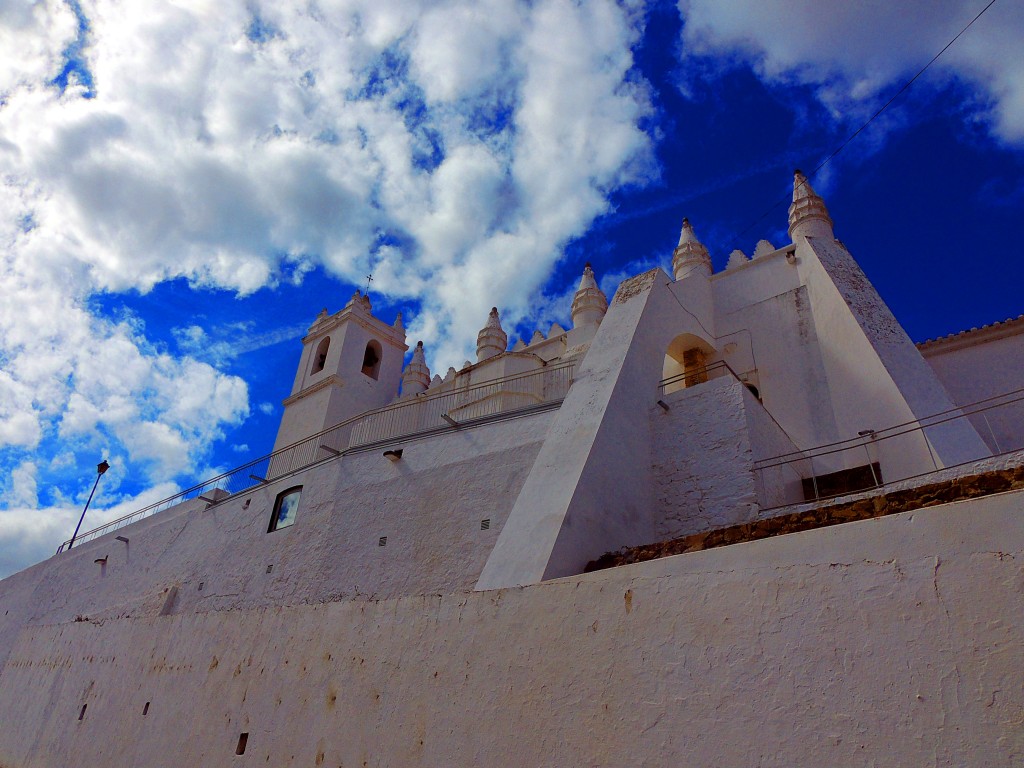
369 279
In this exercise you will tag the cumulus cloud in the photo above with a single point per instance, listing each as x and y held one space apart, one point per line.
224 141
452 148
33 38
853 52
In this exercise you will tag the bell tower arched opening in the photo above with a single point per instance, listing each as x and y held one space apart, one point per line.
371 359
320 356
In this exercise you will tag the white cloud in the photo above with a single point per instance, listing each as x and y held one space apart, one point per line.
23 485
453 148
29 534
32 38
208 155
461 50
855 53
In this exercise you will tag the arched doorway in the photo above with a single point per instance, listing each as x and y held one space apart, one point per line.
686 362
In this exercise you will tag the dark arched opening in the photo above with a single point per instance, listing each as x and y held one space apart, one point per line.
320 356
686 362
371 359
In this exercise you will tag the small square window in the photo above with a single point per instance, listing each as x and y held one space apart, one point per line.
285 509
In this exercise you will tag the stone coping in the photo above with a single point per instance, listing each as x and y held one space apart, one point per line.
998 329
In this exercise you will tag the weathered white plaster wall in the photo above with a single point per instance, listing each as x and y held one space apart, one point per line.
16 604
981 365
777 485
589 490
876 376
496 385
786 358
894 641
755 281
701 460
429 505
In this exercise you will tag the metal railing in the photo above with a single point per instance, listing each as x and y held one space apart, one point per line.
463 405
876 458
695 376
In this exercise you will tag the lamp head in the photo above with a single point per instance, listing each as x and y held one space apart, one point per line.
102 467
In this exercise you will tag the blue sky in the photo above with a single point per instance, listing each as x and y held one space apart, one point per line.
183 187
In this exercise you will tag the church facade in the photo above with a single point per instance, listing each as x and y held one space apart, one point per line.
408 579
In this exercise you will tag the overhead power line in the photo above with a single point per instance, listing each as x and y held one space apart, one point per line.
871 119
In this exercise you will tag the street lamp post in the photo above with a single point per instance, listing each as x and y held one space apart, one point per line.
100 469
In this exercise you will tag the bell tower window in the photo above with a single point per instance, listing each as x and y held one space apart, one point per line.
320 356
371 359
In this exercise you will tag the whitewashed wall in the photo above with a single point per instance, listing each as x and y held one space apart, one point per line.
701 460
981 366
429 505
781 484
876 376
894 641
767 315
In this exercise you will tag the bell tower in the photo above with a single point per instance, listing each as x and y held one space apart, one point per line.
351 362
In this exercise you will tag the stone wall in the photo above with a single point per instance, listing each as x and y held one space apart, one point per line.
894 641
701 459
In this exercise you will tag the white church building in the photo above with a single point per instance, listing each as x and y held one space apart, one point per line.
414 576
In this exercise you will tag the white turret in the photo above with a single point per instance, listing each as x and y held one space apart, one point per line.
589 305
808 214
690 256
416 376
491 340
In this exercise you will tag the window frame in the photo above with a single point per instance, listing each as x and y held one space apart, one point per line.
275 516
